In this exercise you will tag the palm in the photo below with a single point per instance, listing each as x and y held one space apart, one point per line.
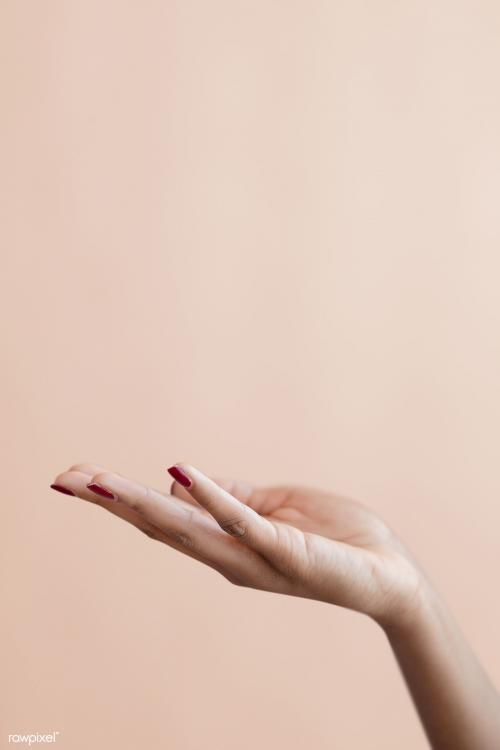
321 532
318 512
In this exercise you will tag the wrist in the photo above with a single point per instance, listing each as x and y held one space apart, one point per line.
417 610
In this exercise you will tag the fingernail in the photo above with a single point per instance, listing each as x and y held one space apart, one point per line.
100 490
180 476
59 488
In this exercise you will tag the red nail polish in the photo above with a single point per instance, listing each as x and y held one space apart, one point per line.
59 488
180 476
100 490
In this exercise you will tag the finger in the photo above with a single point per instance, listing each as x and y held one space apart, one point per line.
87 468
248 493
75 480
92 469
240 489
177 490
189 527
233 516
75 483
63 482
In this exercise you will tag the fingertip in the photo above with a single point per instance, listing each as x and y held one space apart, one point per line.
60 488
101 484
98 489
180 475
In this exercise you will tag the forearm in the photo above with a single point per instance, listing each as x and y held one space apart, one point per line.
457 703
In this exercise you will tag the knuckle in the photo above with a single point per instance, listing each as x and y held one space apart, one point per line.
142 497
185 541
181 539
234 526
284 559
134 505
189 514
138 500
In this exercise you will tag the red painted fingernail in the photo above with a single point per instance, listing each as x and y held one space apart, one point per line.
59 488
100 490
180 476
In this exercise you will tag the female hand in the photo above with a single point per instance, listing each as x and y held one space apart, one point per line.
292 540
306 542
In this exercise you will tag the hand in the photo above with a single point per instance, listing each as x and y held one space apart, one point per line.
291 540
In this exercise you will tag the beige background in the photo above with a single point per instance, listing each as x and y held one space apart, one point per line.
260 237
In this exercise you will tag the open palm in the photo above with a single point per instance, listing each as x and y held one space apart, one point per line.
333 548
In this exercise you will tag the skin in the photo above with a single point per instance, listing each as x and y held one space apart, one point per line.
306 542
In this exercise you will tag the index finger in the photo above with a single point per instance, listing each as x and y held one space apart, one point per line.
234 517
